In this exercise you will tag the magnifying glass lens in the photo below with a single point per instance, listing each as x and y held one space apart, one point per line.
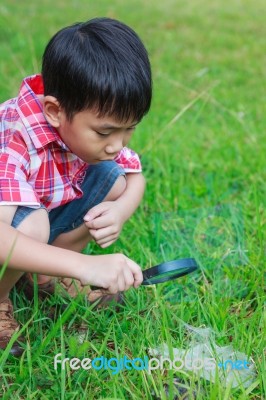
165 276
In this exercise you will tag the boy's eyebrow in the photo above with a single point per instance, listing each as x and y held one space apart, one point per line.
108 126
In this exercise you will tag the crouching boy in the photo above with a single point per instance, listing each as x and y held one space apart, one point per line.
66 175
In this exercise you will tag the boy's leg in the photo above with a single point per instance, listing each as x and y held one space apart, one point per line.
29 222
30 226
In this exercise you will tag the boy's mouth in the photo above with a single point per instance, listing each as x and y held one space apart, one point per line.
107 159
101 160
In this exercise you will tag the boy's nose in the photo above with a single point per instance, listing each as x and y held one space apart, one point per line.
113 151
114 147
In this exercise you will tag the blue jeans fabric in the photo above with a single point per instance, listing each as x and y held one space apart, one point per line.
97 183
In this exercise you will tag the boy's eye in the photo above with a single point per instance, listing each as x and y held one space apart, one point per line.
102 134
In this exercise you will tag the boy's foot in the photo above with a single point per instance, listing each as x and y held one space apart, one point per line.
68 287
9 326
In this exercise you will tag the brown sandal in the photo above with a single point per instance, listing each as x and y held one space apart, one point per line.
68 287
9 326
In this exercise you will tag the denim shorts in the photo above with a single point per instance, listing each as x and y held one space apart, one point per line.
97 183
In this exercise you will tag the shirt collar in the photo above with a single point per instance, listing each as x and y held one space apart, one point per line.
30 110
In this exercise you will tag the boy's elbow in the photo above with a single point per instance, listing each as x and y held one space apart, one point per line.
143 179
137 180
142 183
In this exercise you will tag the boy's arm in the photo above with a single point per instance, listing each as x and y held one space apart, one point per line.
26 254
106 220
113 272
132 196
23 253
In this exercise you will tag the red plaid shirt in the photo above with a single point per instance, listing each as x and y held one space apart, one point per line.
36 167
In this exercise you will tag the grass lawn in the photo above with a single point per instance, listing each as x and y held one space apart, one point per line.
203 153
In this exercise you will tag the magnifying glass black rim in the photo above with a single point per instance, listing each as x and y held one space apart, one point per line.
149 274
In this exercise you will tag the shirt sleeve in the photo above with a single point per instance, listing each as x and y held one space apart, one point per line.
128 160
14 188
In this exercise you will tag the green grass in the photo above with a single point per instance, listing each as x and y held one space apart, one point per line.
202 147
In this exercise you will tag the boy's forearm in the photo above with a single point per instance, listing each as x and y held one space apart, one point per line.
133 194
28 255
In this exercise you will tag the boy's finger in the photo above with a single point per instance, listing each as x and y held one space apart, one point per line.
103 246
138 279
129 278
98 223
137 273
94 212
101 234
121 285
107 238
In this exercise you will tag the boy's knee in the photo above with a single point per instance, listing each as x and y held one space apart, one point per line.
36 226
118 188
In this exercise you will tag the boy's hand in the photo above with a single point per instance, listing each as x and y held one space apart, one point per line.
113 272
105 222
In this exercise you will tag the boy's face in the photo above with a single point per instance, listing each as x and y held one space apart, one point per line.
93 138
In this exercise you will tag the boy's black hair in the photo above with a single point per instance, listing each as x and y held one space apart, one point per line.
100 65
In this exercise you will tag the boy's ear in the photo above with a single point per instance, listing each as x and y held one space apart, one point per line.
52 110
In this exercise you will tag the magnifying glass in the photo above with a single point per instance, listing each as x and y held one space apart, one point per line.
169 270
166 271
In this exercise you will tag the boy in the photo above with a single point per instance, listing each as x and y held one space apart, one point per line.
66 176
